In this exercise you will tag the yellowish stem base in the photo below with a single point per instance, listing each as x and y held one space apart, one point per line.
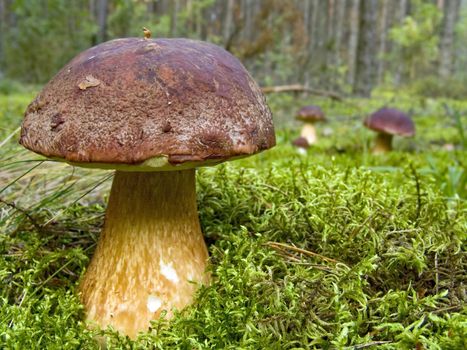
383 144
150 248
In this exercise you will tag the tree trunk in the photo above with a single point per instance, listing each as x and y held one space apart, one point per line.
92 8
382 40
198 21
247 14
306 49
402 13
365 72
451 11
174 7
150 7
306 16
330 44
322 37
330 19
353 40
391 20
102 11
2 30
228 22
313 35
338 28
161 7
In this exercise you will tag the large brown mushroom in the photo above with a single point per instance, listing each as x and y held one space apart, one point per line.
310 115
153 110
388 122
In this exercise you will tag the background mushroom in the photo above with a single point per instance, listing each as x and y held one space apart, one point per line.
301 143
388 122
310 115
153 110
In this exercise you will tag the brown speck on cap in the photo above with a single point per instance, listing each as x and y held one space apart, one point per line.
310 114
191 101
391 121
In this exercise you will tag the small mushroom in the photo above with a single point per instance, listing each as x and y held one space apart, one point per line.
310 115
388 122
151 248
301 142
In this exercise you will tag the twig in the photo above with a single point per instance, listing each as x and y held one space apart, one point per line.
405 231
296 261
366 345
282 246
301 88
449 308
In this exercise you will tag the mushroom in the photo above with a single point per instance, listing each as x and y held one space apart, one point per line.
153 110
310 115
301 143
388 122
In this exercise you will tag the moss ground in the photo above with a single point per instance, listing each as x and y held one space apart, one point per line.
332 249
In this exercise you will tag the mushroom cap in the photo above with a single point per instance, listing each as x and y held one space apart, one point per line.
132 100
310 114
301 142
390 121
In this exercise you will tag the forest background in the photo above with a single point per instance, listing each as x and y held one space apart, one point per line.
349 47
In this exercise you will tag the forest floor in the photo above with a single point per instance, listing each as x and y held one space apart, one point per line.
332 249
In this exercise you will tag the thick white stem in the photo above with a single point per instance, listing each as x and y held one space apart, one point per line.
150 248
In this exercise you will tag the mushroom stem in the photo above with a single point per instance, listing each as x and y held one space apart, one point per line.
309 133
149 250
383 143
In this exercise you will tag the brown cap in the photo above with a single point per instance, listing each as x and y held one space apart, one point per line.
390 121
129 100
301 142
310 114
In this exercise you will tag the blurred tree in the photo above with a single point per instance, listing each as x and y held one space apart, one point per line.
417 39
365 71
102 12
174 9
121 19
354 25
338 34
460 56
401 13
2 30
446 47
383 30
42 35
228 23
327 44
